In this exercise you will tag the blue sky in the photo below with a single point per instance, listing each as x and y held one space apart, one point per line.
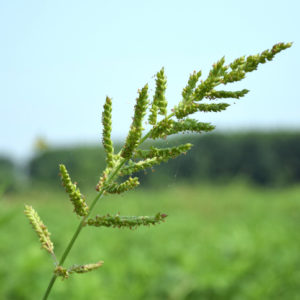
59 59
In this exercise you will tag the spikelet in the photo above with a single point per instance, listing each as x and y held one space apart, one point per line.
237 63
214 107
241 66
219 74
134 167
40 229
161 129
234 76
85 268
118 221
187 125
214 78
80 206
253 60
153 157
159 103
190 108
226 94
102 179
60 271
189 89
136 128
191 125
106 135
164 153
128 185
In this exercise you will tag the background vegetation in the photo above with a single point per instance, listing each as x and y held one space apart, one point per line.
232 230
266 159
219 242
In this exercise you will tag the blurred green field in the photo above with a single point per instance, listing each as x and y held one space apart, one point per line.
218 242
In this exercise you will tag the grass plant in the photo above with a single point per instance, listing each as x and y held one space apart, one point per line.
119 174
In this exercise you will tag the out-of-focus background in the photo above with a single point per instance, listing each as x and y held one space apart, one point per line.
233 202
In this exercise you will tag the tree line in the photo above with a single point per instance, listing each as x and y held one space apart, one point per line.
262 158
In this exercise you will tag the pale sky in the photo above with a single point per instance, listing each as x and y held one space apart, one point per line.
59 60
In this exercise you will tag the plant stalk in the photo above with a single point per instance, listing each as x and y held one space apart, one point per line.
79 228
81 225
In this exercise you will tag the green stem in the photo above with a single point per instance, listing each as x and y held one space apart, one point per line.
149 133
79 228
81 225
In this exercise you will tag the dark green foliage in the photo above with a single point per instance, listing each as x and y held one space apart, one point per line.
262 158
219 242
84 163
8 175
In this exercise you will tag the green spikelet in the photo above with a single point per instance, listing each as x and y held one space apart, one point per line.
172 127
134 167
40 229
241 66
153 116
253 61
191 125
237 63
190 108
118 221
164 153
226 94
128 185
60 271
153 157
219 75
189 89
218 70
136 128
102 179
161 129
159 103
188 92
85 268
234 76
106 140
80 206
214 107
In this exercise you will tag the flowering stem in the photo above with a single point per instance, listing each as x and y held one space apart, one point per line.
80 226
149 132
219 74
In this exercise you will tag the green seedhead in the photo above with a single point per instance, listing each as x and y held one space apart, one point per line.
132 158
40 229
80 206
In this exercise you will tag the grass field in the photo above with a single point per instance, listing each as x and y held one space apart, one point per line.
218 242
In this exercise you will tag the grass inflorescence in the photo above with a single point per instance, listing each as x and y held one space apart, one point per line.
131 158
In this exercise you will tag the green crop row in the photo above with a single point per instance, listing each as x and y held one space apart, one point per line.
218 242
